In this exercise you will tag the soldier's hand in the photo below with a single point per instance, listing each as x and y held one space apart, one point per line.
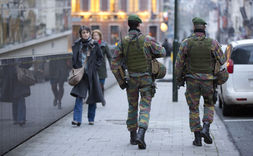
180 84
123 86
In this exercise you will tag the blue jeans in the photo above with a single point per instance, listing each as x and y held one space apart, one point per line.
102 81
78 109
19 110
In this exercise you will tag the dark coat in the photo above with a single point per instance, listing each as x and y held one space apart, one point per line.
168 48
11 88
94 61
58 70
102 71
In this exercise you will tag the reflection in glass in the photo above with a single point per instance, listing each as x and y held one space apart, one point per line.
25 20
15 90
58 74
27 106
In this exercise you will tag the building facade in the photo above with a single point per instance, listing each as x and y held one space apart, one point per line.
235 20
110 16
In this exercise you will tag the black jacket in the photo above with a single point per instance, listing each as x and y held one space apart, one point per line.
10 87
94 61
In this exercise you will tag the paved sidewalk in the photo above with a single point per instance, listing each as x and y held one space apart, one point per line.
168 133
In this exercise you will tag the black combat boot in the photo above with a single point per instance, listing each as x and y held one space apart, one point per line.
133 137
140 138
197 141
205 133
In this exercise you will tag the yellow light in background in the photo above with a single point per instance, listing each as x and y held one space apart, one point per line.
73 5
131 4
95 5
144 15
134 5
86 15
121 15
164 27
112 5
154 6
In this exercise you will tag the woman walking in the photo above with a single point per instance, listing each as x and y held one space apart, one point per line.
102 71
87 53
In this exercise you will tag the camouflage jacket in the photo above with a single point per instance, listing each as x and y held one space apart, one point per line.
151 48
182 54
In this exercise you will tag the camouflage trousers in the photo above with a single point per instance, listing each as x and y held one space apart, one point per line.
139 85
194 89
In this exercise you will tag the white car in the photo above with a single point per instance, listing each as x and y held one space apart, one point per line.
238 90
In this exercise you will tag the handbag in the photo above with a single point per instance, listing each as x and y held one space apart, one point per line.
75 76
25 76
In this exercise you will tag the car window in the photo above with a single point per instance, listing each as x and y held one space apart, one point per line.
243 55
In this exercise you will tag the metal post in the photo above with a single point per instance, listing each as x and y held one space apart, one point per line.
175 49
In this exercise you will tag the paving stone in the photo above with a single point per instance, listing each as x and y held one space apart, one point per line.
168 132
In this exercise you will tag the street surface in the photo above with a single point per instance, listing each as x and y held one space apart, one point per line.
168 133
240 127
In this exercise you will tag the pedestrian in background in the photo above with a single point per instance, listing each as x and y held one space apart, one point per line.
195 64
137 50
102 71
87 53
168 48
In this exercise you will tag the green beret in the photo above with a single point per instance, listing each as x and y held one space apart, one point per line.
197 20
134 18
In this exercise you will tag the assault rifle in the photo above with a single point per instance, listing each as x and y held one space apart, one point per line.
123 71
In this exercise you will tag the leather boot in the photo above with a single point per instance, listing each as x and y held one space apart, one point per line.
140 138
205 133
197 141
133 137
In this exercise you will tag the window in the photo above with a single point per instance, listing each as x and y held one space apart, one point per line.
94 27
143 5
95 5
154 6
104 6
114 34
114 5
85 5
243 55
133 5
123 5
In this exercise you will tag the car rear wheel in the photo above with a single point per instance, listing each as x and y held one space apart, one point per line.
225 109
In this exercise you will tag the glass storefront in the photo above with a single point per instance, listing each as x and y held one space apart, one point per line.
30 104
25 20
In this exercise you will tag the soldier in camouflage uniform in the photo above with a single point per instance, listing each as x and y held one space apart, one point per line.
195 64
137 50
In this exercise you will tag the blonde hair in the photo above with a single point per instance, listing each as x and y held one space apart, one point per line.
98 32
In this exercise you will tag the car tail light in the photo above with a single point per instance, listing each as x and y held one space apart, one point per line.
241 99
230 66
